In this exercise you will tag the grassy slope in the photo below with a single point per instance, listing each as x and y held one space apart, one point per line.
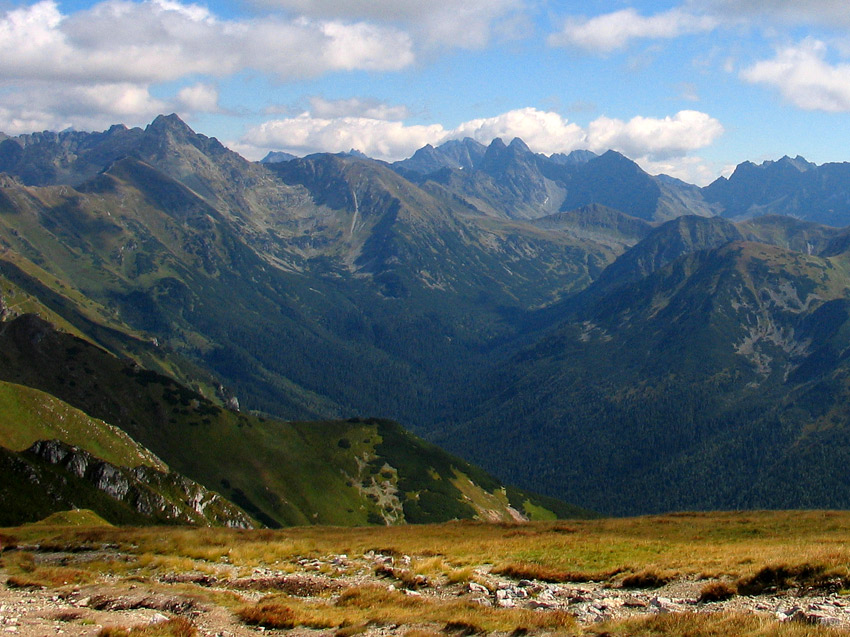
76 517
281 473
28 415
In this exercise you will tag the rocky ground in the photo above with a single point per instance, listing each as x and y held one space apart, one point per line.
140 601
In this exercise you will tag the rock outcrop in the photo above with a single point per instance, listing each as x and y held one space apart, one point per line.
166 496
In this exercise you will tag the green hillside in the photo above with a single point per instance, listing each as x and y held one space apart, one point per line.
28 415
282 473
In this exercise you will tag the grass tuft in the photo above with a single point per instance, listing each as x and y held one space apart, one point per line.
717 592
462 629
530 570
710 625
177 627
268 615
647 578
782 577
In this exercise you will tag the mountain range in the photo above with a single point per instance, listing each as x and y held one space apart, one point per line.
626 342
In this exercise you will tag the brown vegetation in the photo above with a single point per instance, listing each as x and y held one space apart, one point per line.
717 592
177 627
781 577
647 578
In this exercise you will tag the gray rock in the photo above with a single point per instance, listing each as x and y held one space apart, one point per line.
475 587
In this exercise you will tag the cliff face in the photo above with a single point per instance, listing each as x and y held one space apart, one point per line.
153 495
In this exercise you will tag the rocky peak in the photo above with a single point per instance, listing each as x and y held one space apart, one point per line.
169 124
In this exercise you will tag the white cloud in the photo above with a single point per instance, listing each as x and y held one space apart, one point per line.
199 98
804 77
692 170
36 106
613 31
544 132
356 107
659 145
656 139
461 23
99 65
156 41
306 134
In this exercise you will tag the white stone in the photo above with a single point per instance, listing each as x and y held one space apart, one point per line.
158 618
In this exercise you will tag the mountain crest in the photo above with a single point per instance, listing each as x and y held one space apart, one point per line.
169 123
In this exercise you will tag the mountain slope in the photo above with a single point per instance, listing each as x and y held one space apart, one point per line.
343 472
699 377
198 260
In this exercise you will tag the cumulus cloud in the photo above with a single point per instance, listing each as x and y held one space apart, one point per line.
306 134
544 132
356 107
198 98
660 145
613 31
109 57
693 170
657 139
804 77
156 41
36 107
461 23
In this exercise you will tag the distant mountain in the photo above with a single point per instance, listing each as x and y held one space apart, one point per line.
573 158
455 154
597 223
512 181
791 187
186 245
664 245
276 156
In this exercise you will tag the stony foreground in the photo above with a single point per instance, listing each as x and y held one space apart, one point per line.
126 601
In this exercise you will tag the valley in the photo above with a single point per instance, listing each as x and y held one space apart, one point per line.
572 324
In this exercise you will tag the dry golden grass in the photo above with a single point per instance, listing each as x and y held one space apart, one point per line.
269 614
775 577
381 606
717 592
177 627
24 572
648 578
753 551
711 625
716 544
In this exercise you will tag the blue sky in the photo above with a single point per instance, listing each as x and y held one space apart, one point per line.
687 88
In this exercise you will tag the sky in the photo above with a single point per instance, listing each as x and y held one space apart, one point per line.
688 88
